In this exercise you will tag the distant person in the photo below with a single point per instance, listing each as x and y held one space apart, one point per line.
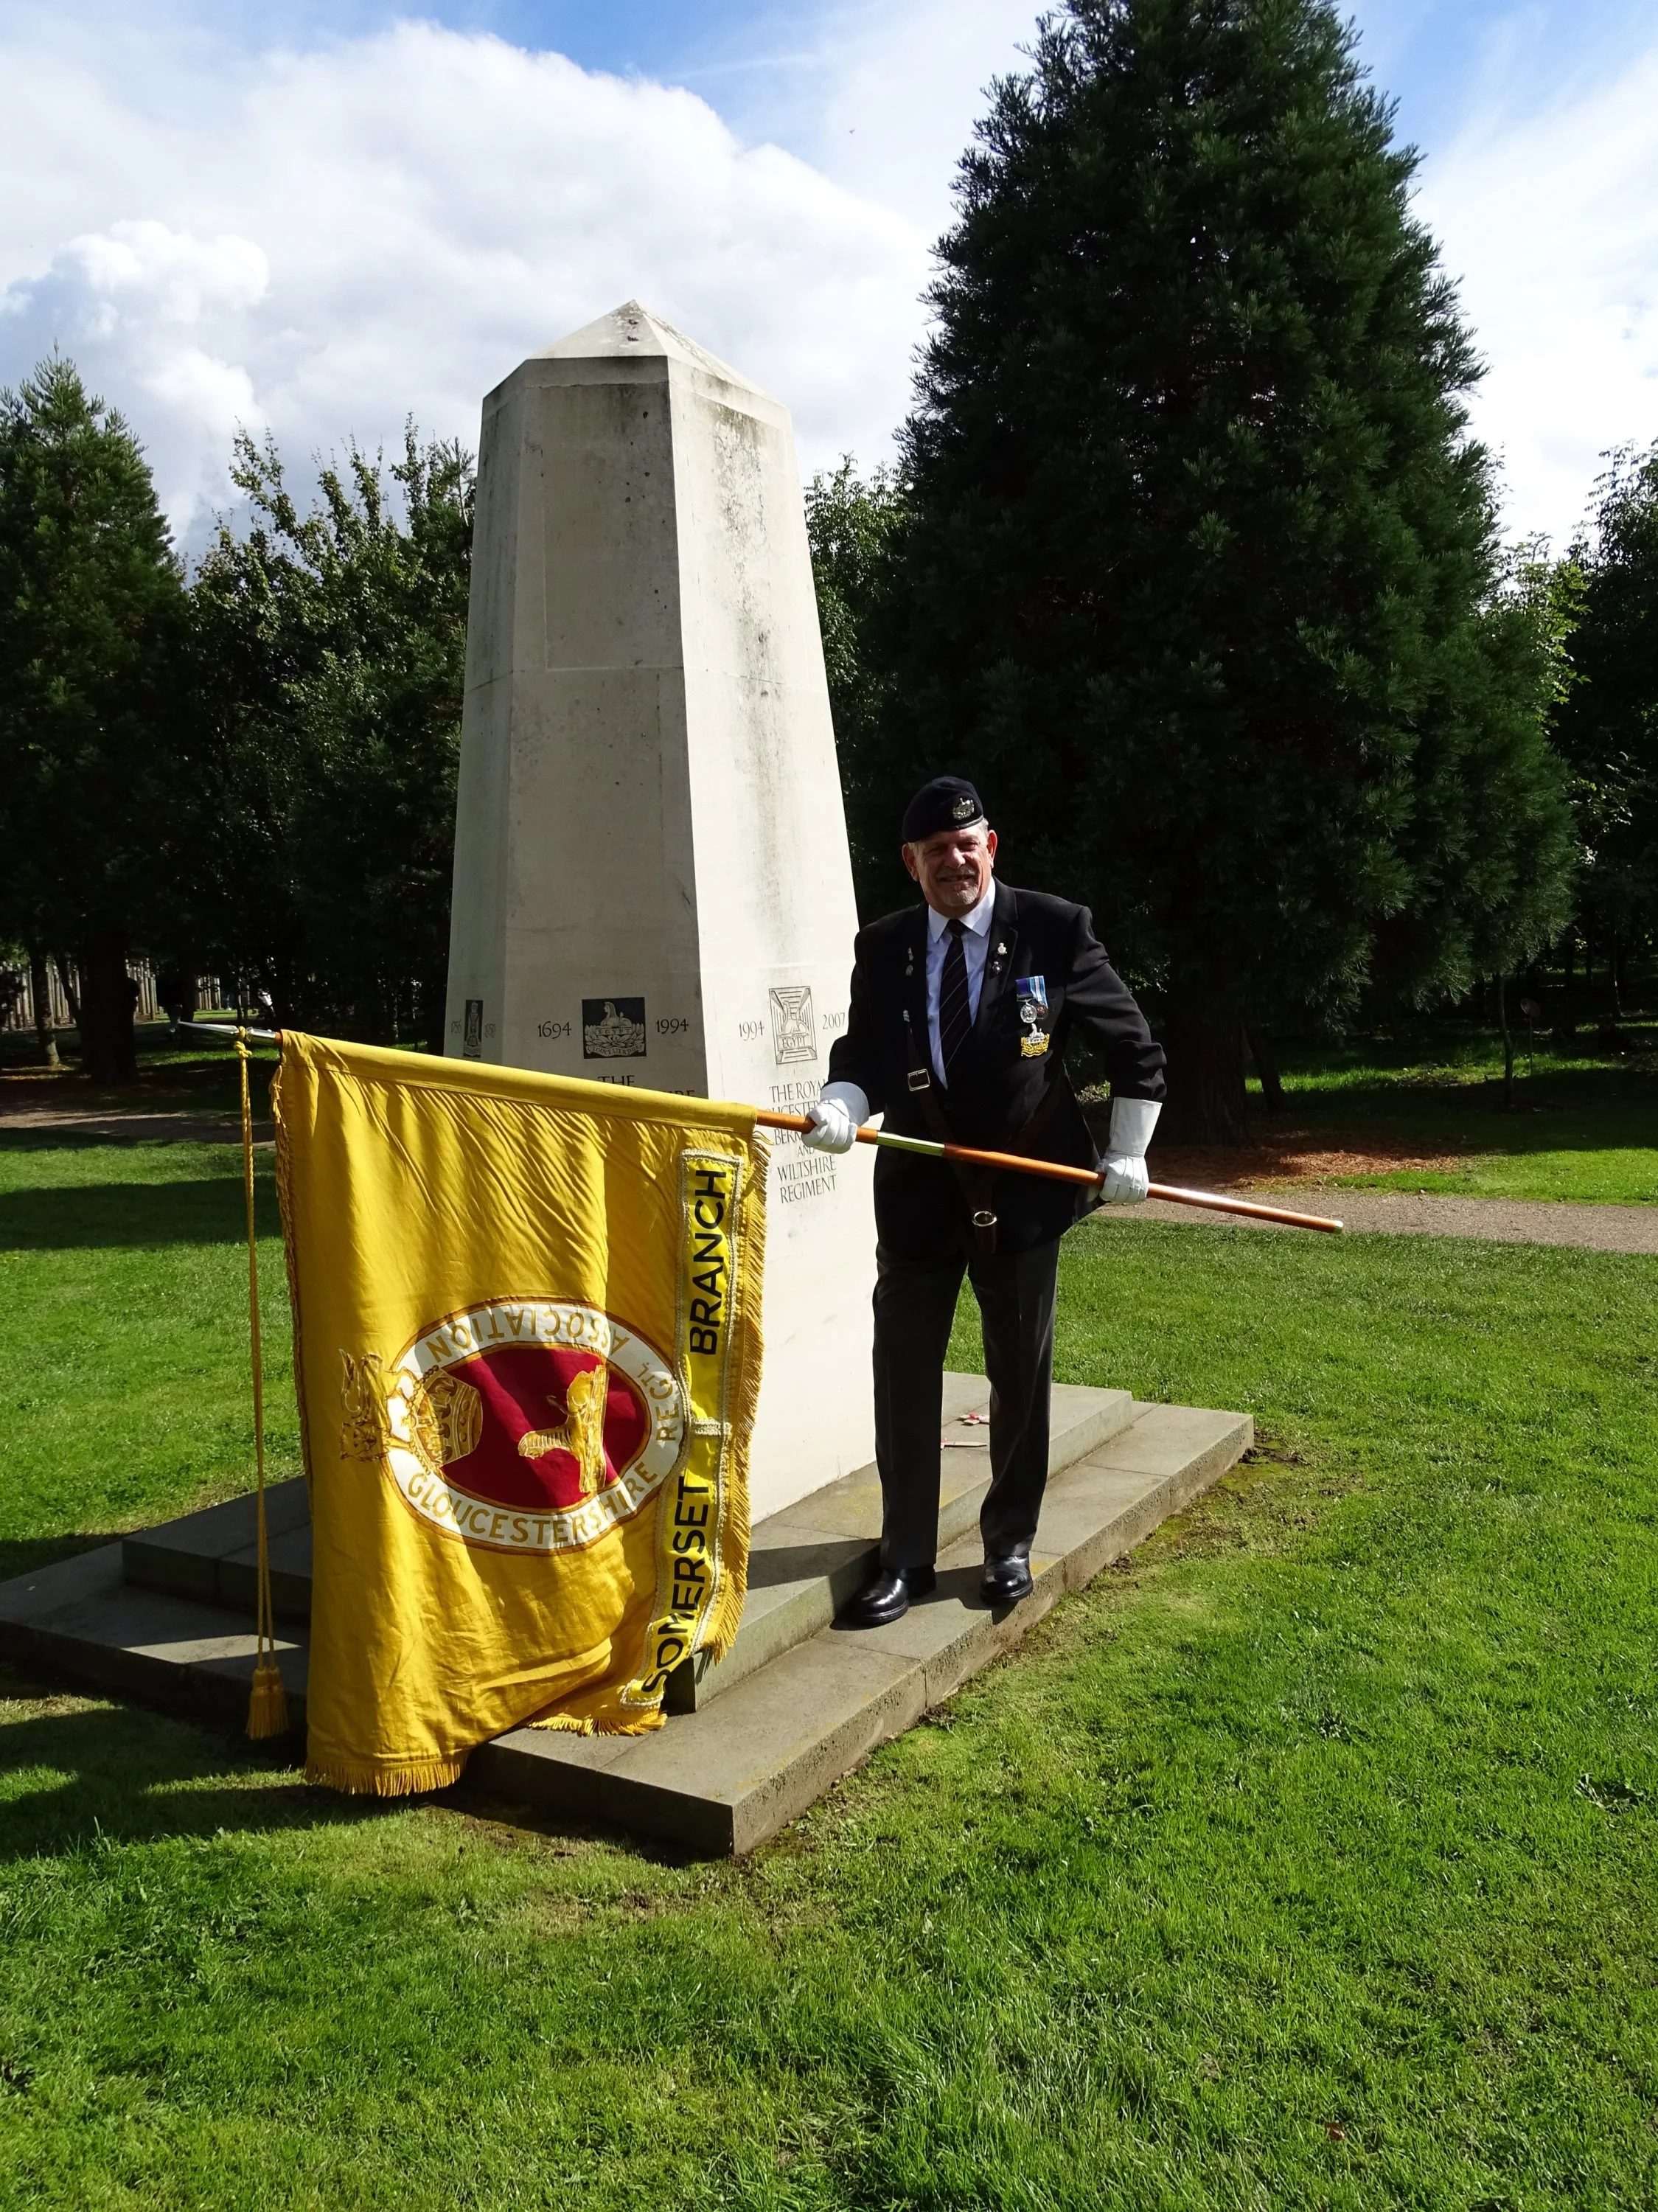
961 1012
175 987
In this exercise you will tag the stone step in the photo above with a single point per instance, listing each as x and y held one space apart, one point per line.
804 1563
723 1779
720 1779
213 1555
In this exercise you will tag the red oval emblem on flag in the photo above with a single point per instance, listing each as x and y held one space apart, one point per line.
557 1425
531 1425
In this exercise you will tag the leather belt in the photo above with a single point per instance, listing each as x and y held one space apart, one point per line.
977 1184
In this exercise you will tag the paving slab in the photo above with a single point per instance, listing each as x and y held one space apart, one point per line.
724 1777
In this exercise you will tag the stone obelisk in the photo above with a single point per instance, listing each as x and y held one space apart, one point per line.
652 880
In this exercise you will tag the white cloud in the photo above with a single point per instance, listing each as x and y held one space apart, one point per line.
138 301
881 99
325 242
324 239
1550 220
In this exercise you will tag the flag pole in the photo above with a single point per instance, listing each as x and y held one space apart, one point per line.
1054 1172
1213 1202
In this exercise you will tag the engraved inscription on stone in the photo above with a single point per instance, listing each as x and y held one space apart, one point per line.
612 1029
472 1047
792 1033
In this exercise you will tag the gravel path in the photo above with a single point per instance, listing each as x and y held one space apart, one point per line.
134 1128
1403 1214
1392 1214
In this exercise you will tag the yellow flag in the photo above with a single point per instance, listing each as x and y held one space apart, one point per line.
526 1322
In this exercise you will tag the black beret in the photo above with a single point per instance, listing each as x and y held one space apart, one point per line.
945 803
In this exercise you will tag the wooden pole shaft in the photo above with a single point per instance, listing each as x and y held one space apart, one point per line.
1012 1163
1055 1171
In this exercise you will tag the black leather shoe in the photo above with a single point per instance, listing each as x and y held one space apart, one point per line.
887 1597
1006 1581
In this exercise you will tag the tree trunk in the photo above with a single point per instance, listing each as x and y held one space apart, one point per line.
70 985
1272 1083
1508 1045
40 992
1206 1095
433 995
109 1051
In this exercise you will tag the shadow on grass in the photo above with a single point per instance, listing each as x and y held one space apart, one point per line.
119 1774
83 1217
26 1555
1560 1107
93 1775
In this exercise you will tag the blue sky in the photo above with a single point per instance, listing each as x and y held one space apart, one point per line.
1442 60
315 216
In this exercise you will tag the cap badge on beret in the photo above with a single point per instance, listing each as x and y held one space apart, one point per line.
948 802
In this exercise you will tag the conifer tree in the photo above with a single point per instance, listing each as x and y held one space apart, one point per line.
1198 576
94 720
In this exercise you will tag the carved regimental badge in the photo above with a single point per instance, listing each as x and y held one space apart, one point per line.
526 1424
792 1033
612 1029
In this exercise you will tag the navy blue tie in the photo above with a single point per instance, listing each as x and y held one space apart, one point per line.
955 1013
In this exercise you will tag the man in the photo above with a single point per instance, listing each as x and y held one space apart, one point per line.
961 1012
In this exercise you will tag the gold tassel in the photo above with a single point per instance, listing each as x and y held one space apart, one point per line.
267 1707
267 1703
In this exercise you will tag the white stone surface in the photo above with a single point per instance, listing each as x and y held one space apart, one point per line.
650 819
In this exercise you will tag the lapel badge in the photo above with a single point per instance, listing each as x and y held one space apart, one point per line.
1033 1044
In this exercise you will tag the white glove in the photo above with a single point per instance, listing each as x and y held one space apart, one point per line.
1125 1180
835 1118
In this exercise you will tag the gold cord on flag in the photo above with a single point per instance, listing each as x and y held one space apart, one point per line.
267 1707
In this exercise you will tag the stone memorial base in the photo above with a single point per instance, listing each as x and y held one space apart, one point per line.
163 1618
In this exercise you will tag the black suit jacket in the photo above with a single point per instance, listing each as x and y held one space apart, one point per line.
920 1211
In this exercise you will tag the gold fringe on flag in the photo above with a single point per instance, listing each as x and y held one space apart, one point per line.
267 1704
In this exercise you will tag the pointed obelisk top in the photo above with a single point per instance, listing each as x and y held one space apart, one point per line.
633 329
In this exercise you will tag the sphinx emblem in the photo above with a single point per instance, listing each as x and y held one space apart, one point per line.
582 1434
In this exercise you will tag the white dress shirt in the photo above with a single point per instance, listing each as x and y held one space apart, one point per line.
975 946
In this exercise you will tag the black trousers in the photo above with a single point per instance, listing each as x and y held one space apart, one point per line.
914 1307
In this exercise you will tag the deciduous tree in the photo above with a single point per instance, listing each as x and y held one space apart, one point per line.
1607 722
333 645
850 522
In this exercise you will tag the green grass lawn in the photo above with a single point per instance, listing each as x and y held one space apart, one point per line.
123 1345
1306 1861
1580 1127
